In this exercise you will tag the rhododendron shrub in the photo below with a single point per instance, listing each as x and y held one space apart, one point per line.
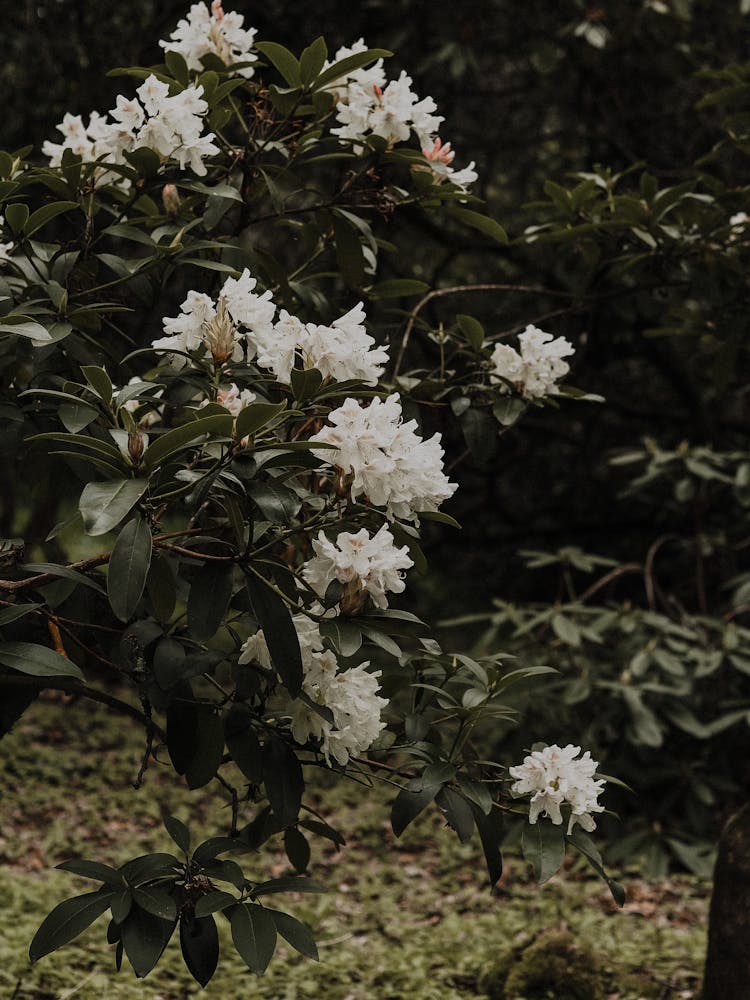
206 383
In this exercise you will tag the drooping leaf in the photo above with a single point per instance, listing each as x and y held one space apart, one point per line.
128 567
91 869
543 845
68 920
296 933
275 619
199 941
283 780
254 935
144 938
210 593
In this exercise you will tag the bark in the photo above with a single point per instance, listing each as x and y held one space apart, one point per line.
727 974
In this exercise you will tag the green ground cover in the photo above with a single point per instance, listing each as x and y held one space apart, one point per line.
403 919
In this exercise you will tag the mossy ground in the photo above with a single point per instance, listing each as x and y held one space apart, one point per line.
403 920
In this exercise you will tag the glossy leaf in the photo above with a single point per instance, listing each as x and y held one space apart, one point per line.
128 567
104 505
68 920
37 661
254 935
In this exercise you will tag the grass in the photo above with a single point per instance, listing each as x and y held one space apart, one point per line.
407 919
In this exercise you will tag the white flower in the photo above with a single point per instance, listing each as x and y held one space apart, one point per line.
392 112
535 371
555 778
372 562
216 33
389 463
233 398
365 79
441 157
216 327
277 347
344 350
171 126
350 695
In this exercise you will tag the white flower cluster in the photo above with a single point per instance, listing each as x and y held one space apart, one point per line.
370 562
242 324
202 33
535 371
555 778
171 126
389 463
351 695
367 104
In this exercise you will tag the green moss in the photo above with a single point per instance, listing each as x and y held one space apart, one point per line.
407 919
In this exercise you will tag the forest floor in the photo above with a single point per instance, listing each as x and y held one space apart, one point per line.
411 919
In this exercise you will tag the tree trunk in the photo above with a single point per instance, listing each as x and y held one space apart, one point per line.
727 974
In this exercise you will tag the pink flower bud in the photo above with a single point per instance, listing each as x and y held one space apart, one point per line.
170 199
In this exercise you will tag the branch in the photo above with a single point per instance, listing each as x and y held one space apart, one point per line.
72 686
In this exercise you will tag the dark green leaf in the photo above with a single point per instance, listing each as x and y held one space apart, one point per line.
283 780
179 438
490 833
12 614
408 805
104 505
92 869
128 567
256 415
312 60
178 832
296 933
208 747
275 619
276 503
160 585
287 883
155 900
345 66
472 329
148 867
543 846
68 920
210 593
169 662
38 661
297 849
254 935
144 938
65 572
99 381
243 744
283 60
457 812
481 222
214 901
199 941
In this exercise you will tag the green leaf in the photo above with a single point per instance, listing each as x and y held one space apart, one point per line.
210 593
65 572
12 614
566 630
219 424
43 215
99 381
155 900
148 867
254 936
179 69
178 832
312 60
409 804
91 869
489 827
283 60
251 418
144 938
199 941
543 846
16 215
345 66
287 883
457 812
472 329
25 327
297 849
208 748
283 780
160 585
276 503
214 901
297 934
275 619
243 744
481 222
397 288
68 920
349 255
440 517
104 505
37 661
128 567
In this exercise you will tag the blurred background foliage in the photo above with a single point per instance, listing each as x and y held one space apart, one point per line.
611 140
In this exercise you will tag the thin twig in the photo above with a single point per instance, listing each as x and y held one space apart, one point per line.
42 578
457 290
608 577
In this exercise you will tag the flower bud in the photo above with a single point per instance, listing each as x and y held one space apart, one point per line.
353 598
170 199
219 337
136 446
